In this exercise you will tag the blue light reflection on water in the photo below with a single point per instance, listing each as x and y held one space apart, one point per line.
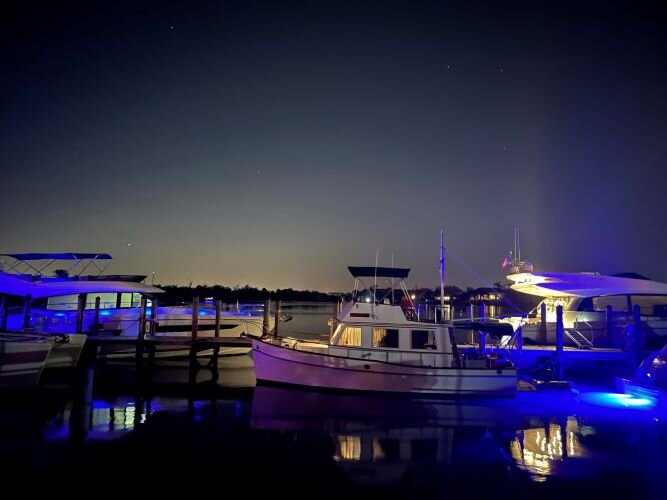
616 400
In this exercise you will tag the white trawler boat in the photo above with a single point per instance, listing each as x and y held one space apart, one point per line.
375 347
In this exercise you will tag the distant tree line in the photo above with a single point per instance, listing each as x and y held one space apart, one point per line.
177 294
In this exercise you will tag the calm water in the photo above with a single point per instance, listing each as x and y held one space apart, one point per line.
297 443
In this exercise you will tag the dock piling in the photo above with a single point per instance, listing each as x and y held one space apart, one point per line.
610 326
639 334
81 305
218 308
334 320
559 341
154 321
277 318
3 315
139 350
96 317
543 323
267 316
195 318
27 303
482 334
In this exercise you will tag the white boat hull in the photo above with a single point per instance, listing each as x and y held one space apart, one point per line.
21 360
65 350
283 365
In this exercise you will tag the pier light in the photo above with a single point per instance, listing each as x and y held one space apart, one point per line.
368 299
413 297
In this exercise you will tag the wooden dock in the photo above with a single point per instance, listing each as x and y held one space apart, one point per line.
532 358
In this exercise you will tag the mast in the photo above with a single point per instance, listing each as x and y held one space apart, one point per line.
442 272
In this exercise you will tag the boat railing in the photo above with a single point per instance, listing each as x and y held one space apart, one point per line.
412 357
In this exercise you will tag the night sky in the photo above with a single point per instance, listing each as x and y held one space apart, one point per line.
275 143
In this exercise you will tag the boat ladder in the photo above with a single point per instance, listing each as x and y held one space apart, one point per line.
578 338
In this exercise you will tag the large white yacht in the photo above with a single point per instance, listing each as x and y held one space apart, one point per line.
585 298
375 347
52 306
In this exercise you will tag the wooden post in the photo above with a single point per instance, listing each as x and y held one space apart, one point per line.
154 320
610 327
142 320
195 318
3 315
277 319
543 323
559 340
140 338
519 339
639 334
27 303
81 306
96 318
218 309
334 321
482 334
267 317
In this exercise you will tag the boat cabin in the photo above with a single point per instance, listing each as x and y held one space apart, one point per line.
382 332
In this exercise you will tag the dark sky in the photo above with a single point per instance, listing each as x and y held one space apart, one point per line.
275 143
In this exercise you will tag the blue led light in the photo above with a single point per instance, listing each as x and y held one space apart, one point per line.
105 313
616 400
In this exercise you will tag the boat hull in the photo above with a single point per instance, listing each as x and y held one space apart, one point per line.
21 360
65 350
283 365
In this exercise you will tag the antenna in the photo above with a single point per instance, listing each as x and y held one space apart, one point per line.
392 279
375 277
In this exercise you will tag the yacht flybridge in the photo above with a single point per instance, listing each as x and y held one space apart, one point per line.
375 347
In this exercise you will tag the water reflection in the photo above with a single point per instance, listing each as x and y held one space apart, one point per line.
394 441
538 449
533 441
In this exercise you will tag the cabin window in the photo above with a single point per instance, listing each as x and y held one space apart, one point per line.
107 300
351 336
618 303
651 305
125 300
349 448
383 337
63 303
423 339
136 300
